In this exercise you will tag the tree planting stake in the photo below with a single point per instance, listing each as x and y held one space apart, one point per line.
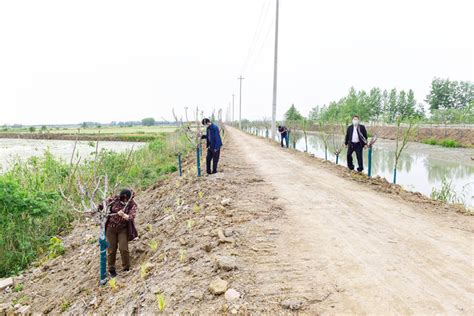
179 165
369 171
198 161
103 245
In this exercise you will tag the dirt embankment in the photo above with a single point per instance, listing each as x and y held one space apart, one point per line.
287 231
204 228
465 136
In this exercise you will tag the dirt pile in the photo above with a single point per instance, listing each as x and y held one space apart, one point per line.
192 232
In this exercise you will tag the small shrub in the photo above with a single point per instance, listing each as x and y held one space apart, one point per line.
145 269
430 141
160 301
446 193
55 248
182 255
113 284
451 143
153 245
18 288
65 305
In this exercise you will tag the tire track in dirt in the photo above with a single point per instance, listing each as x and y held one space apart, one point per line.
341 247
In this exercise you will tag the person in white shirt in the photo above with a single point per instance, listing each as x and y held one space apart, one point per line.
356 140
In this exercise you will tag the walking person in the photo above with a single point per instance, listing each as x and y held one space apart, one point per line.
120 228
283 135
214 144
356 140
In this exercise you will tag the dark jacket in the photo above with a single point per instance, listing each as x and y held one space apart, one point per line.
213 137
113 220
283 131
360 130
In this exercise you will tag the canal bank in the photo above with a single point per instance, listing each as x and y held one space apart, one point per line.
422 168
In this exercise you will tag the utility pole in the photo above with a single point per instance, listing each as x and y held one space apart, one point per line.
275 73
240 102
233 117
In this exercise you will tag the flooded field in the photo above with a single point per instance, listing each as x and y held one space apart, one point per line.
25 148
422 168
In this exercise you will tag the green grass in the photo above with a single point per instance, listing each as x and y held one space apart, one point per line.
32 210
108 130
135 133
450 143
446 193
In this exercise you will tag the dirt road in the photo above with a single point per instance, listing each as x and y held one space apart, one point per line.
342 247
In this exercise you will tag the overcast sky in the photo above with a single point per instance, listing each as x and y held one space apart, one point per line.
73 61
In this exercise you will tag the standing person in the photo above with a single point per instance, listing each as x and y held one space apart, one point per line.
284 135
214 144
120 228
356 140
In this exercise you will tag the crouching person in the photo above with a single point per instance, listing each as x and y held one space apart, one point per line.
120 228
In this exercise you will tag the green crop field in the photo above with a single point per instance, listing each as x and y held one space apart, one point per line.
117 130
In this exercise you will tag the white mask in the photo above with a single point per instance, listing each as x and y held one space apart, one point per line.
355 122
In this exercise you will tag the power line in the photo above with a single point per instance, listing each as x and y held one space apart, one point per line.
258 31
240 102
257 56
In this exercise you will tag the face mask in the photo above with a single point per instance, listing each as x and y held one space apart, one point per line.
355 122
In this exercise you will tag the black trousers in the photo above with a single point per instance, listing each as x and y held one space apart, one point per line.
284 136
358 148
214 157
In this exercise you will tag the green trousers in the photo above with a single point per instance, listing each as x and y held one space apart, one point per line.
117 238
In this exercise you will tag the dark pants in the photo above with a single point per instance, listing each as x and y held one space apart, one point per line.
284 136
214 157
357 147
117 238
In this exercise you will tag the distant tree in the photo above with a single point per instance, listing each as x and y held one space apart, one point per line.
44 128
315 113
410 106
350 106
392 106
420 111
401 105
84 125
447 94
149 121
32 129
385 106
292 114
374 104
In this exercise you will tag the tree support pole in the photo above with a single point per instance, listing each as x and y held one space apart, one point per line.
198 161
180 165
103 245
369 171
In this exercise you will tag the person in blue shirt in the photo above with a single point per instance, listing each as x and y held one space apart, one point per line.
214 144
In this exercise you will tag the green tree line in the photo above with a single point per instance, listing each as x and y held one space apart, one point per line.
448 101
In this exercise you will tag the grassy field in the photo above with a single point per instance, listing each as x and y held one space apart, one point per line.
95 130
134 130
115 133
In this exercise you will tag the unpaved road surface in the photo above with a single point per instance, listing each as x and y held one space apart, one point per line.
341 247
